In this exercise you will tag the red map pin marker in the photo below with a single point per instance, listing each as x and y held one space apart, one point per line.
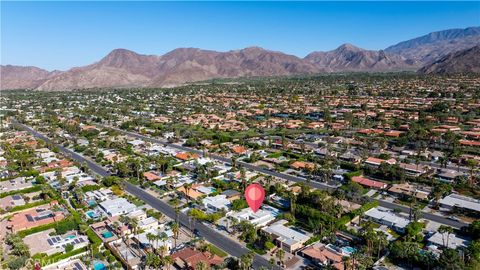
254 194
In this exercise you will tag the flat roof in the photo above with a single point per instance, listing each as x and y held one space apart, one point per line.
381 213
286 234
453 240
461 201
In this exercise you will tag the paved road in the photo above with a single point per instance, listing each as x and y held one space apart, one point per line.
216 238
92 165
228 245
288 177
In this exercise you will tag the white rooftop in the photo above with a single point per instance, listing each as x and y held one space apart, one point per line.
454 241
461 201
286 234
147 221
117 206
385 214
217 202
261 218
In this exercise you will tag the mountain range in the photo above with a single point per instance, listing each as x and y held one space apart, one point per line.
448 51
455 62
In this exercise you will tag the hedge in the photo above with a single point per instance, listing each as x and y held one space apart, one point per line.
93 237
22 191
28 205
46 260
352 174
348 217
62 225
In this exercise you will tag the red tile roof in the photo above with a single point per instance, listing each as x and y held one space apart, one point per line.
192 257
369 183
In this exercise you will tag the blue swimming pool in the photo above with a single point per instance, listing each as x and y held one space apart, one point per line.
91 214
107 234
348 250
99 266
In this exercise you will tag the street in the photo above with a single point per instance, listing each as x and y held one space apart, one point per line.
226 244
426 215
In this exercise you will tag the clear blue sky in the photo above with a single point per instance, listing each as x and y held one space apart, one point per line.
60 35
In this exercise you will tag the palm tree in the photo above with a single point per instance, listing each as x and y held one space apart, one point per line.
168 260
271 262
280 255
382 242
445 230
176 231
150 237
187 187
201 265
473 166
411 249
246 260
134 225
150 259
293 200
347 261
370 237
163 237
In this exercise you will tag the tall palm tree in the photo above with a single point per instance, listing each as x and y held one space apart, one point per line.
445 230
163 237
187 187
150 238
168 260
246 260
382 242
150 260
293 201
271 261
473 166
201 265
280 256
134 225
176 231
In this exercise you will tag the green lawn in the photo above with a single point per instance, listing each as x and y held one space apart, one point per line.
256 250
217 251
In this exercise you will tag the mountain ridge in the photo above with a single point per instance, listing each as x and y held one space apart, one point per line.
126 68
465 61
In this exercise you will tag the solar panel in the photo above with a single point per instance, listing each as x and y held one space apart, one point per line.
58 238
78 266
29 218
81 240
77 241
50 242
16 197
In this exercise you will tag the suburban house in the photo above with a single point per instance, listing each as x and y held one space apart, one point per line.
286 238
188 258
216 203
260 218
322 256
376 162
452 240
387 217
232 195
407 190
369 183
117 207
449 176
462 203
